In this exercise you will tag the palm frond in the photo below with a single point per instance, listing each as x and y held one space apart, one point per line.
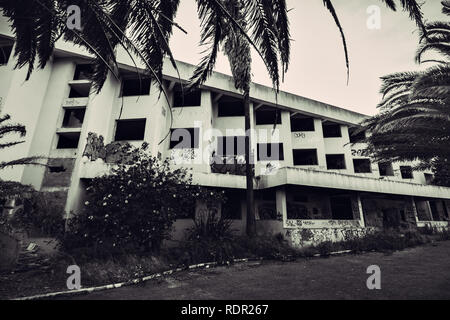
329 5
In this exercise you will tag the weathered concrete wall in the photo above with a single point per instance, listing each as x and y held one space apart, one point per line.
58 173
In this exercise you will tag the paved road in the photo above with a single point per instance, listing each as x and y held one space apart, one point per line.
419 273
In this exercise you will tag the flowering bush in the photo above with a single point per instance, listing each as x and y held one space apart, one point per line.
135 206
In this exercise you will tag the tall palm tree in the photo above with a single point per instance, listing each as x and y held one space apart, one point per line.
414 122
226 23
237 25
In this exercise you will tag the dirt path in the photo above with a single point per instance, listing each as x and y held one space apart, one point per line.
419 273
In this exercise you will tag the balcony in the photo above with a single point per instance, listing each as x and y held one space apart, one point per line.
323 179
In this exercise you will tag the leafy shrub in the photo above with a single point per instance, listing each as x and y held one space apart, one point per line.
266 246
8 191
135 206
211 238
39 213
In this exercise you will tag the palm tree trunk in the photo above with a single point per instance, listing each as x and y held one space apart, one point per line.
251 221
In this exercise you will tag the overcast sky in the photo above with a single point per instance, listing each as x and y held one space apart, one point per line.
317 68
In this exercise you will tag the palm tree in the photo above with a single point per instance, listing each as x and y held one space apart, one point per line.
414 123
237 25
8 129
226 23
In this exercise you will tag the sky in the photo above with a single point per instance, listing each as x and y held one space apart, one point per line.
317 69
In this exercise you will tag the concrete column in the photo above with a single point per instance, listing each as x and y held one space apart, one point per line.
282 204
414 208
429 210
361 211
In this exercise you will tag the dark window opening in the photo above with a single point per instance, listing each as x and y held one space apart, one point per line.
386 169
68 140
444 205
56 169
268 116
407 172
231 107
136 87
428 178
403 215
83 72
302 124
362 165
305 157
184 138
192 98
434 211
79 92
356 137
270 152
341 208
231 146
297 211
267 205
268 195
335 161
300 198
130 130
231 209
73 118
331 130
6 46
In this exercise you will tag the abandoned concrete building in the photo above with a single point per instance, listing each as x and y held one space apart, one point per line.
316 182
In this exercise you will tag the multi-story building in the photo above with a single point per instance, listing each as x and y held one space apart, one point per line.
313 180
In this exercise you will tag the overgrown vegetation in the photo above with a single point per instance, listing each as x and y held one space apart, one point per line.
133 208
38 214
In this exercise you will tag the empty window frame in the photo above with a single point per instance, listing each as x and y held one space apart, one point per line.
130 130
406 172
267 204
305 157
232 209
386 169
231 107
268 116
435 211
185 98
331 130
136 87
184 138
341 208
356 136
362 165
302 124
428 178
335 162
270 152
68 140
83 72
79 91
444 206
6 46
231 146
73 117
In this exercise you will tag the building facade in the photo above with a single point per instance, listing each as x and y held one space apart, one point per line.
313 180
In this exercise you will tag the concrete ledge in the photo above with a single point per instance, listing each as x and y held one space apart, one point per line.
323 179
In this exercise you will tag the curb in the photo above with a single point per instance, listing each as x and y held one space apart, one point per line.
131 282
148 278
